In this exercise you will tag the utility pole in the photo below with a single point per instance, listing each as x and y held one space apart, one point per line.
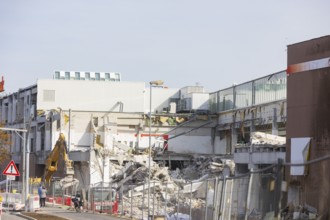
24 180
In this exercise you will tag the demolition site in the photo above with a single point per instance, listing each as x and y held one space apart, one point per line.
256 150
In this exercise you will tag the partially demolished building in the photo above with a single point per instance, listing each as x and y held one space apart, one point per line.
96 115
106 124
233 144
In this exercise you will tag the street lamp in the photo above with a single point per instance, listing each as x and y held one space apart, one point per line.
25 160
151 84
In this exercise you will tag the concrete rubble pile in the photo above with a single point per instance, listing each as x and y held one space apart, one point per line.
260 138
167 188
133 178
208 166
299 212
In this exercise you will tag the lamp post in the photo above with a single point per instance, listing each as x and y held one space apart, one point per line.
151 84
25 160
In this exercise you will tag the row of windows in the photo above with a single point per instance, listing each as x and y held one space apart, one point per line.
87 76
263 90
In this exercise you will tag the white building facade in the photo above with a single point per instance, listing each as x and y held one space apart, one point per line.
93 113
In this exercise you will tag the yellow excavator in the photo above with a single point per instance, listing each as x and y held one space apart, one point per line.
51 162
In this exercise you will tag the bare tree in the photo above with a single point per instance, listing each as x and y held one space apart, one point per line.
4 146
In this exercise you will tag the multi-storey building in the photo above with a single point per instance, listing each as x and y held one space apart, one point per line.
98 109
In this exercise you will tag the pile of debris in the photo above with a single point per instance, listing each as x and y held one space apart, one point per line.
262 142
167 188
207 165
299 212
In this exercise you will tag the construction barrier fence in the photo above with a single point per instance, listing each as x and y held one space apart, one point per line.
256 194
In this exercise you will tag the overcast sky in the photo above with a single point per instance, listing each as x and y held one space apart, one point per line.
183 42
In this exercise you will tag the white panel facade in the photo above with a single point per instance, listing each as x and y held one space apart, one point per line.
191 145
200 101
90 95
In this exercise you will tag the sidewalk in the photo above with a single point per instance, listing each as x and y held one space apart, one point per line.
59 210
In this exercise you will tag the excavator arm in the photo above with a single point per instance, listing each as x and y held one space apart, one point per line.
51 162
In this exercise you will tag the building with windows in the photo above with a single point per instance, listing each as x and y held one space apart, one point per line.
97 111
98 76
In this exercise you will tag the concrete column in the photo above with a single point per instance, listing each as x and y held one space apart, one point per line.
274 122
252 200
233 135
253 116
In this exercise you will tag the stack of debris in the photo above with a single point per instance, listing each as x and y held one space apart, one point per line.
167 188
299 212
260 138
262 142
210 166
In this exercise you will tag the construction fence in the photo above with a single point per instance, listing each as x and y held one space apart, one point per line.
254 195
249 196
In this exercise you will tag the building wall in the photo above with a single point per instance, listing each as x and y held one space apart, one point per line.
71 107
90 95
308 116
234 126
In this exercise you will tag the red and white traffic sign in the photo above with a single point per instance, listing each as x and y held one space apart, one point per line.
11 169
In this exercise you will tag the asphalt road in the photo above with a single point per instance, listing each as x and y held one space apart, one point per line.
69 214
10 216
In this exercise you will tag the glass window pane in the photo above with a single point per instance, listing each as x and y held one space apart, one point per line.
270 88
77 75
57 75
97 76
226 101
67 75
243 94
213 102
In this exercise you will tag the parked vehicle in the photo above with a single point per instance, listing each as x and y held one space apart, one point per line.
103 201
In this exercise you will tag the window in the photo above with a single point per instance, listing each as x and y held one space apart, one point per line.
58 124
97 76
77 75
67 75
107 76
32 145
42 138
96 121
57 75
117 77
87 76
